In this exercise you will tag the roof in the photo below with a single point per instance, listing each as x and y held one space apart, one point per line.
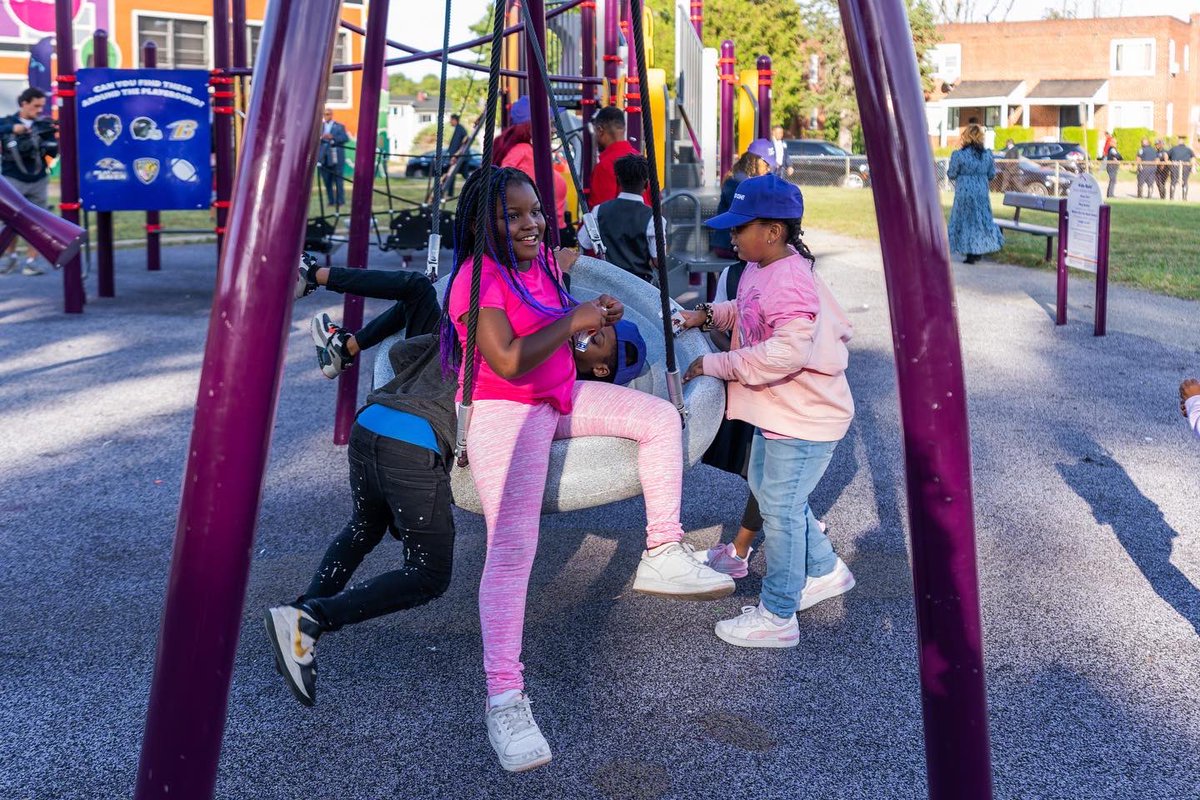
970 90
1068 90
430 103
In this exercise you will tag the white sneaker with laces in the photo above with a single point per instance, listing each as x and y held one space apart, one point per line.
30 267
840 581
672 570
516 737
758 627
293 636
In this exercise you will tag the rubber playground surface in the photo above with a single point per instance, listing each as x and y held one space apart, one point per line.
1086 487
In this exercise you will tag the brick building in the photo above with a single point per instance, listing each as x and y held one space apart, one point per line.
1120 72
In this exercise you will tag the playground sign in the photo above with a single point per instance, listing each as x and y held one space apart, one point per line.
144 139
1083 227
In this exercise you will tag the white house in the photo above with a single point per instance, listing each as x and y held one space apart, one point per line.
407 116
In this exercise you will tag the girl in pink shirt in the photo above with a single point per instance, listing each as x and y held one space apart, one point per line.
785 374
525 395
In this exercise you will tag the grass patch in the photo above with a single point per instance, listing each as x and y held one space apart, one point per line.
1154 245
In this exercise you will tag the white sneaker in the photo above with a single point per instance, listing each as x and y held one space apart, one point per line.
515 737
840 581
671 570
293 635
757 627
30 267
8 264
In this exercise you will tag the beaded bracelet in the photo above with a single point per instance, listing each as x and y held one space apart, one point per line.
707 325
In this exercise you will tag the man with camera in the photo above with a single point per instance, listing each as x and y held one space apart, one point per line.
28 139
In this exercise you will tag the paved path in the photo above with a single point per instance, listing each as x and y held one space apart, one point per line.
1089 545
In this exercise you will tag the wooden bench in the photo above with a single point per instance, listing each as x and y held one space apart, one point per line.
1033 202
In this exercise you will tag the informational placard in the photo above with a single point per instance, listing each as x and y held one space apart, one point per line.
1083 223
144 139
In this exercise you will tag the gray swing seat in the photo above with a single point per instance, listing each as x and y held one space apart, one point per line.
590 471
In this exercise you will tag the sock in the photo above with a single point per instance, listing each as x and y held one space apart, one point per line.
653 551
503 698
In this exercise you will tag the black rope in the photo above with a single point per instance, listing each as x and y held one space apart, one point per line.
637 15
482 222
435 218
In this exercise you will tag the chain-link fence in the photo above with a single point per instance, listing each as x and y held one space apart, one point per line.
848 172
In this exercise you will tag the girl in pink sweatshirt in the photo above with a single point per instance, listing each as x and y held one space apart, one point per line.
786 375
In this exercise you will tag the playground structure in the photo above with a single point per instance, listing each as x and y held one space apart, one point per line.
237 395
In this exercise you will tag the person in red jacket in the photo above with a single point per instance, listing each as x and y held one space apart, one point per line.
608 128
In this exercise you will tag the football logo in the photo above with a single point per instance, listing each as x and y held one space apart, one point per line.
107 128
109 169
182 129
145 129
184 170
146 169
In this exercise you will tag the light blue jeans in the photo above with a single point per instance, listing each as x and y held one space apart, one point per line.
782 475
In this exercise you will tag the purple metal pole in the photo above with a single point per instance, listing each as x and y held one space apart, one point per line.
725 64
68 158
153 218
235 408
240 57
765 79
222 116
361 199
697 17
587 24
105 277
932 393
1101 324
539 112
612 46
1060 300
633 86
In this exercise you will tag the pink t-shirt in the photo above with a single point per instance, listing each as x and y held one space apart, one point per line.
549 382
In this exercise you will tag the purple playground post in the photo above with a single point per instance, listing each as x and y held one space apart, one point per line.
725 65
74 295
105 278
765 79
222 107
697 17
587 25
153 218
235 407
362 196
933 401
1060 299
633 87
539 113
612 46
1101 323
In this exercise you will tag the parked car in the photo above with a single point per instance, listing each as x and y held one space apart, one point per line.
1070 155
816 162
420 166
1026 176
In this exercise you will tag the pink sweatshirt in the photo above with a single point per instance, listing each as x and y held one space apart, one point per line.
786 370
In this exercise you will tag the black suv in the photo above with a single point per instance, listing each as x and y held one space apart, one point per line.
420 166
1046 153
816 162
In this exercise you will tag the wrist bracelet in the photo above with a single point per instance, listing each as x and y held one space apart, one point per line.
707 325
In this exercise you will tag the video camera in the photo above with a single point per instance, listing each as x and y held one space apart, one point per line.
39 140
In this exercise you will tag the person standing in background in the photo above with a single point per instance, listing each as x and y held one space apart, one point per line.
1181 157
28 141
1163 169
1113 157
972 228
780 149
1146 156
608 128
458 138
331 159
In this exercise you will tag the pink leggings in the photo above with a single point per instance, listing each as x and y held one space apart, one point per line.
510 452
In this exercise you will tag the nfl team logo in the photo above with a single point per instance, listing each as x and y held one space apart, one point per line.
182 129
146 169
109 169
145 129
107 128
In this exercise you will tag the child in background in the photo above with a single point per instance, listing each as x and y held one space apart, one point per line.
627 224
526 395
1189 403
786 376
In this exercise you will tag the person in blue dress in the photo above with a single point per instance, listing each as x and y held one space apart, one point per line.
973 231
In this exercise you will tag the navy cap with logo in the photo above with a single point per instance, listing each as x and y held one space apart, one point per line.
764 197
631 352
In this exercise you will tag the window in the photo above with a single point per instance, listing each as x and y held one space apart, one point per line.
1131 115
953 119
991 117
946 60
1068 117
1187 58
1132 57
339 82
253 40
181 42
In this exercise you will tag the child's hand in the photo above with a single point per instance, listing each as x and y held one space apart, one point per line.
615 309
566 257
696 368
1188 389
691 319
588 316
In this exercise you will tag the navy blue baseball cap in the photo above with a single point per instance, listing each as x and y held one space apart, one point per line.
764 197
631 352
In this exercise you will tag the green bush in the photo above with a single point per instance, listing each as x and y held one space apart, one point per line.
1016 133
1129 140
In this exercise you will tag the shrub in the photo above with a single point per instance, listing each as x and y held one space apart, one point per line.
1130 139
1016 133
